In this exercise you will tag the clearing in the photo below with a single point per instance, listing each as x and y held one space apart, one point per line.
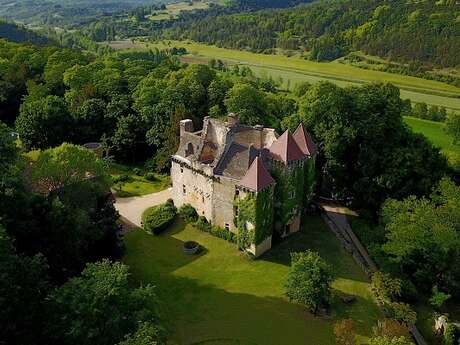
137 184
223 297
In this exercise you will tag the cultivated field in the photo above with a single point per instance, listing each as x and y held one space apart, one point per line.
294 69
173 10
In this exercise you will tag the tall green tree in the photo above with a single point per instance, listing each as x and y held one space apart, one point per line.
100 306
44 123
309 280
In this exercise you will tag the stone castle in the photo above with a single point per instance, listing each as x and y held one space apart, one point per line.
246 179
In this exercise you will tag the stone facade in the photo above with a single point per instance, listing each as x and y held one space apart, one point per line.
227 161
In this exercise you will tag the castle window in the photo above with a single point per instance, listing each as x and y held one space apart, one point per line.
237 192
181 170
227 226
184 190
189 151
202 199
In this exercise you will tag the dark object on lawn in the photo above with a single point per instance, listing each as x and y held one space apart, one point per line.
348 299
191 247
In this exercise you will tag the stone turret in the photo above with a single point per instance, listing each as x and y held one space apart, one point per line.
186 126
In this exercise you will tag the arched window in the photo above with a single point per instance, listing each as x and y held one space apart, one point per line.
189 151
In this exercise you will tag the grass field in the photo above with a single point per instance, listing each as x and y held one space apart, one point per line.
174 9
137 185
434 131
222 297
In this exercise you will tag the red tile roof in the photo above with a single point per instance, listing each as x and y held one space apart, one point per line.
257 177
304 140
285 149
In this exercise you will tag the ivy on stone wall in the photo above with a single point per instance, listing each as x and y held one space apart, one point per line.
310 180
255 209
289 192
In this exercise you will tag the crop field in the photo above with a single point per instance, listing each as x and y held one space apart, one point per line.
295 69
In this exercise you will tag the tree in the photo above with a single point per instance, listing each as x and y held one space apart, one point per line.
420 110
423 237
344 331
67 165
392 328
366 152
146 334
453 127
44 123
23 288
309 280
90 119
100 306
438 298
129 138
248 102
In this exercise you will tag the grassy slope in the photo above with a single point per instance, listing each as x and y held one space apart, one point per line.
221 297
434 132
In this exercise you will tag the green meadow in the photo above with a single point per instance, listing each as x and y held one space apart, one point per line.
223 297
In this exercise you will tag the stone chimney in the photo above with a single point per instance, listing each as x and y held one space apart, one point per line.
186 126
233 119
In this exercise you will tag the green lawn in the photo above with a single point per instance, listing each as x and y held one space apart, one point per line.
222 297
137 185
173 10
435 133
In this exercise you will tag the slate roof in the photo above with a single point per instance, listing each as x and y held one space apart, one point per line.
257 177
304 140
237 160
285 149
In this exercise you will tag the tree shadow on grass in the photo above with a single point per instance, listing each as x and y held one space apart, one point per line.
206 314
315 235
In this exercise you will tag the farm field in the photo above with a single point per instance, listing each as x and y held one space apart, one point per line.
295 69
223 297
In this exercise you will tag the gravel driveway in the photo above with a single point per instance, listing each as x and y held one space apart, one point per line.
131 209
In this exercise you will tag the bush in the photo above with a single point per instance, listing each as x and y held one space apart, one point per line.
203 225
158 218
188 213
451 334
150 177
137 171
121 179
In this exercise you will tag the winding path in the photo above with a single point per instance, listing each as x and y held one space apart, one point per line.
131 209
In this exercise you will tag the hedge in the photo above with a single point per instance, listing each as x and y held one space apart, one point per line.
203 225
188 213
158 218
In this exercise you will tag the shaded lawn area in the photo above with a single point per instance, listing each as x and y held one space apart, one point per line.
137 185
222 297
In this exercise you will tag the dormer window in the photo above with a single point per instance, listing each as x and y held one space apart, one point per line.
189 151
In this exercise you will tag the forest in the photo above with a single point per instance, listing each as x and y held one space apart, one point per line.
424 32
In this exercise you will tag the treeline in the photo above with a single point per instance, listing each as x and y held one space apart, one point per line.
17 33
404 31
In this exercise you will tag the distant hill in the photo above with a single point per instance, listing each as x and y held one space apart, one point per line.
407 31
20 34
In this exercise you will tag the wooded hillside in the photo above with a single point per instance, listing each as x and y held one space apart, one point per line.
406 31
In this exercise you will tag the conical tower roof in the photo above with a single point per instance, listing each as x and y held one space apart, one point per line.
257 177
304 140
286 149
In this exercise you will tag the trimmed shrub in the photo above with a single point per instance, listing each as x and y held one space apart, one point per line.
451 334
158 218
188 213
150 177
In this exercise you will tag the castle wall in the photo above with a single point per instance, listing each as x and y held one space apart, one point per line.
224 193
198 189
